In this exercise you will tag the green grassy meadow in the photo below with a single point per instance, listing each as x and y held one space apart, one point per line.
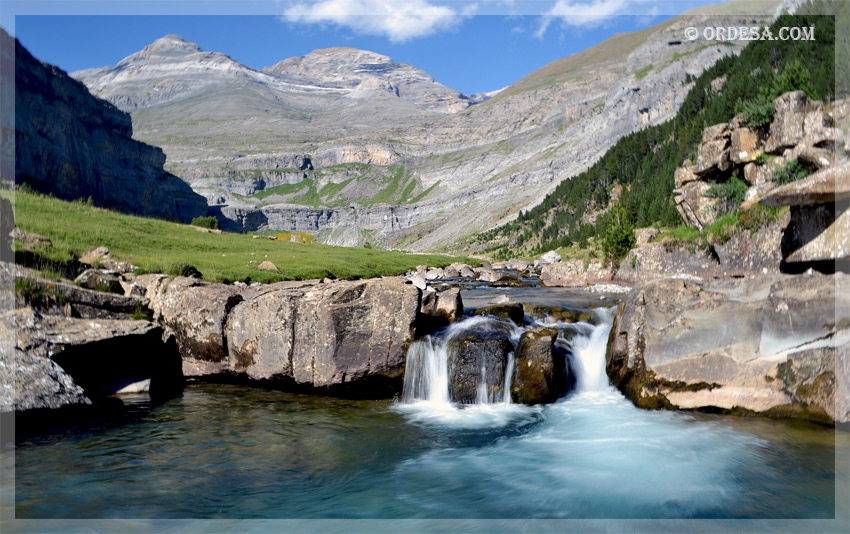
159 246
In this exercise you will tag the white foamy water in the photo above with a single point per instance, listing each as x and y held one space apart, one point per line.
426 397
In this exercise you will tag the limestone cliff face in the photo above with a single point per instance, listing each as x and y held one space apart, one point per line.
73 145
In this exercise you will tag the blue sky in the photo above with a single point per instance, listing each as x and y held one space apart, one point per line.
471 47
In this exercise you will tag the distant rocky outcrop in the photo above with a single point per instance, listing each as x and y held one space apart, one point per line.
802 132
73 145
774 344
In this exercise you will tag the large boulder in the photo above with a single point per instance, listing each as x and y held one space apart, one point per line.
819 230
476 366
774 345
540 374
341 334
354 331
798 120
575 273
195 313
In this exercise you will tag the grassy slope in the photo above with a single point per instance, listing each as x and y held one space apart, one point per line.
156 245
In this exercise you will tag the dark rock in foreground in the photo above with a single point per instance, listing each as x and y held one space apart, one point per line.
475 359
514 312
540 375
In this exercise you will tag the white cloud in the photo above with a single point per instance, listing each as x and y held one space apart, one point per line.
398 20
578 13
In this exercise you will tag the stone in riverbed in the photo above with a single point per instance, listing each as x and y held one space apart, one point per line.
418 281
341 334
434 274
445 305
540 375
512 312
474 359
507 280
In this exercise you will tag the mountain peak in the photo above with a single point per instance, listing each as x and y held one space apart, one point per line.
353 53
173 42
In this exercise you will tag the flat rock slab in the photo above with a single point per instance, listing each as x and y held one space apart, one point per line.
768 344
823 187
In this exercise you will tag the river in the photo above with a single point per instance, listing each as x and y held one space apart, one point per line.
237 452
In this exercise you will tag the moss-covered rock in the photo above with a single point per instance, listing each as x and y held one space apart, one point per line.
513 312
507 280
540 375
558 313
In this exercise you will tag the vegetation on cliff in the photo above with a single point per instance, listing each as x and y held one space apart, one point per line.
638 170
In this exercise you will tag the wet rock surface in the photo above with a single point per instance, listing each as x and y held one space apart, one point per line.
540 374
477 361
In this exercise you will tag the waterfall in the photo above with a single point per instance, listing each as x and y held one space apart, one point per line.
426 376
589 354
426 371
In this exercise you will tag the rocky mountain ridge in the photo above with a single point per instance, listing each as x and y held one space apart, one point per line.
172 68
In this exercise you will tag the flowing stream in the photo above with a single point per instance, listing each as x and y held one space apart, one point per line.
227 451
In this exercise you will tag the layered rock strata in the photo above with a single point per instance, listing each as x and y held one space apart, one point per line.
775 345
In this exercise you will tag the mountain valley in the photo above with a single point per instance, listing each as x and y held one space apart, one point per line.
345 138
